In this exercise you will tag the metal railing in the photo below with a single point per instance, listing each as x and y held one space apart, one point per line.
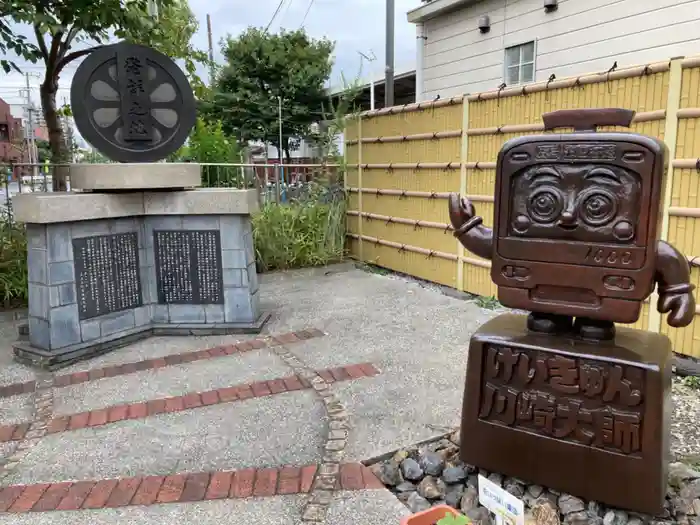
274 182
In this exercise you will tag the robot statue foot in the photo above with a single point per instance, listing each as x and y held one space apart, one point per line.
594 329
548 323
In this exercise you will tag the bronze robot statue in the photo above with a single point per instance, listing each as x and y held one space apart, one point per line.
575 228
559 397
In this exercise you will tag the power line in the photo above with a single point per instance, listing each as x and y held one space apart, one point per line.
307 13
279 6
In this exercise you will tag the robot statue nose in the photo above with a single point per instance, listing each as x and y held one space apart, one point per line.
567 220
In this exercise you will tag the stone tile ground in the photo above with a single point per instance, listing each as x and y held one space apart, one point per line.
413 335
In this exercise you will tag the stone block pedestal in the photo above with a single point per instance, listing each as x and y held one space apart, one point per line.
591 419
106 269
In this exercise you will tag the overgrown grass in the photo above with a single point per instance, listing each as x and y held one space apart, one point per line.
307 232
13 263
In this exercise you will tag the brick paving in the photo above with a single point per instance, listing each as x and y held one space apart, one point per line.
177 488
116 413
76 378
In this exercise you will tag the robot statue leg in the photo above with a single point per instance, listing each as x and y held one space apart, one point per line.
594 329
549 323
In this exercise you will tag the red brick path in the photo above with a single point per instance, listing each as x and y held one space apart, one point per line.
153 407
201 486
169 360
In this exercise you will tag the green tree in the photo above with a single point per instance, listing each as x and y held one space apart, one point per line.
260 68
209 145
61 25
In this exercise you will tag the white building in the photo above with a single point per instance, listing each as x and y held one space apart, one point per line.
470 46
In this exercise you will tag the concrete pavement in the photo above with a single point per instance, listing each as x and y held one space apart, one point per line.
359 365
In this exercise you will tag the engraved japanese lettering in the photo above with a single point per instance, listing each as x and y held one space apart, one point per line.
547 152
188 267
594 403
135 102
589 152
107 274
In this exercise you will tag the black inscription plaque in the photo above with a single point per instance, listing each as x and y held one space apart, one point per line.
188 266
107 274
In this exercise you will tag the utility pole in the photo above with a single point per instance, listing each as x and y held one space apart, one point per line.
70 138
389 78
279 116
211 52
31 142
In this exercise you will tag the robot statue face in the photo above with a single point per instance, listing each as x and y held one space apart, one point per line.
575 202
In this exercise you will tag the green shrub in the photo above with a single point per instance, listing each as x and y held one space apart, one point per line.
13 263
307 232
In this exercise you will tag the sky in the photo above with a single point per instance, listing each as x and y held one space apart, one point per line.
357 26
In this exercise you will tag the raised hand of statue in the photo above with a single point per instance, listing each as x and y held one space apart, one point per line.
468 228
462 214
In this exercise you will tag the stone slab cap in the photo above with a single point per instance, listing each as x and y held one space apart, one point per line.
137 176
204 201
50 208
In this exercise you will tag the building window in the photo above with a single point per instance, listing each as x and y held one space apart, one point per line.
4 133
520 64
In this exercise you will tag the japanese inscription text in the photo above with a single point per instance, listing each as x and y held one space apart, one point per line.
135 98
188 267
595 403
583 151
107 274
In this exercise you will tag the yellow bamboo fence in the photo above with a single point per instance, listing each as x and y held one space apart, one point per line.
404 161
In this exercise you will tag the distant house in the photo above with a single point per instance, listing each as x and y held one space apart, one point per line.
11 136
468 46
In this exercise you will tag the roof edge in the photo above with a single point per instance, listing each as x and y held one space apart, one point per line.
436 8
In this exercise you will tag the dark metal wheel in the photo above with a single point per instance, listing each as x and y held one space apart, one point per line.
108 103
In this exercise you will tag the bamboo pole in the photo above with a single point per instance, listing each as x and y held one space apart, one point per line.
420 194
404 138
595 78
691 62
673 102
407 247
416 106
645 116
463 156
688 113
677 211
427 165
359 183
400 220
686 164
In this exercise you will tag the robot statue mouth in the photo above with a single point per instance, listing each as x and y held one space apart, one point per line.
568 227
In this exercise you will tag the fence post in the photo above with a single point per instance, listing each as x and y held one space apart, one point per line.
673 103
359 184
464 151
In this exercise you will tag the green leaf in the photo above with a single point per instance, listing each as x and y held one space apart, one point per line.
450 519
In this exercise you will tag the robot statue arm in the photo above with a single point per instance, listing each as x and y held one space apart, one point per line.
475 237
675 290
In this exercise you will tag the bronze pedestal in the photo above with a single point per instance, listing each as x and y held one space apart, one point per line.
586 418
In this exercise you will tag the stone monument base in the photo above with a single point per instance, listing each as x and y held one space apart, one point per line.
108 269
138 176
51 360
587 418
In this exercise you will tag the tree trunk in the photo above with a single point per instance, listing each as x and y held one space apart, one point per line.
59 155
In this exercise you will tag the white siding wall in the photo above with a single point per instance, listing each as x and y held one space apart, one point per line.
582 36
